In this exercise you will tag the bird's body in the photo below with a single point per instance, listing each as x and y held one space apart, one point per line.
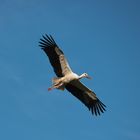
69 77
66 78
60 83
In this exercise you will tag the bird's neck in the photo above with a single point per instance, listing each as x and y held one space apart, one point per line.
81 76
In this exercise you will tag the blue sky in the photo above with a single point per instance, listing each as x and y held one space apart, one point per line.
99 37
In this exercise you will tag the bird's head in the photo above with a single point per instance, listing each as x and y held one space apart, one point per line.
85 75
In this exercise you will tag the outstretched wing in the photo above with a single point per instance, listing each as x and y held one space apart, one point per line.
86 96
55 55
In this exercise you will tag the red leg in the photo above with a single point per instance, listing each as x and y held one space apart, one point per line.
49 89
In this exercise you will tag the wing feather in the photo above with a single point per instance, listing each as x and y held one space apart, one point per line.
55 55
86 96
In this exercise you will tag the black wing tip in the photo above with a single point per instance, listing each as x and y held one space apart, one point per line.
47 41
97 108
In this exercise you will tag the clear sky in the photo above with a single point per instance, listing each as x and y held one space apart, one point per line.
99 37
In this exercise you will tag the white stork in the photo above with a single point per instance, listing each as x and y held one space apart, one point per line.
66 78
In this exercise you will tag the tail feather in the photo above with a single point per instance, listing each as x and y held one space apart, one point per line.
55 80
58 84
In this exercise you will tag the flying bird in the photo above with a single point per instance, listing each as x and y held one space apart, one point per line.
67 79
